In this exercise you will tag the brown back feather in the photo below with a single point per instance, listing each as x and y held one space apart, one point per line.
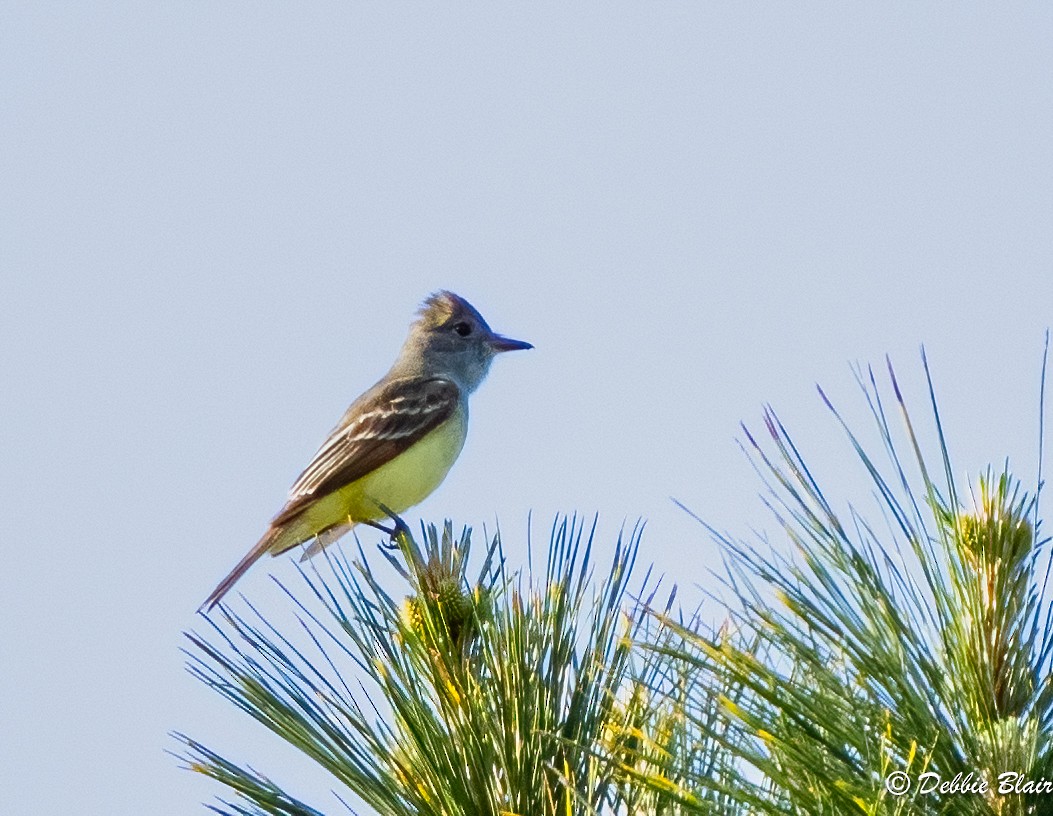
381 424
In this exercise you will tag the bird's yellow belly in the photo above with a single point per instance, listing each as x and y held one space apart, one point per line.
403 482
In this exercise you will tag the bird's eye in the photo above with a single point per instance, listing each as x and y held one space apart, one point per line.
463 329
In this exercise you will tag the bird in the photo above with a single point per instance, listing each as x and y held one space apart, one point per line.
395 444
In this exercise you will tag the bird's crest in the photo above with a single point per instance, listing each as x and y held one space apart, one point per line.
444 306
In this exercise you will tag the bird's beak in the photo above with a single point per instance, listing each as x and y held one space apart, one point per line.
499 343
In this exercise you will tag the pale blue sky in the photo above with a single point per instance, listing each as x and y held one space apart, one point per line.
216 221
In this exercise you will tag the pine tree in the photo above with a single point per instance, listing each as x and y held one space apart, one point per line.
912 648
914 652
492 696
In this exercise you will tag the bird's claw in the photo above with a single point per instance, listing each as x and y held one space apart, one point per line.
398 530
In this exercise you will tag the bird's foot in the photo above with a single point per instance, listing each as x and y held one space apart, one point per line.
398 530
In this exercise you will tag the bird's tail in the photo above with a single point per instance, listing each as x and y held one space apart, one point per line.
324 539
263 546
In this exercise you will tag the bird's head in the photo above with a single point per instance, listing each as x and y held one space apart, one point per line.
451 339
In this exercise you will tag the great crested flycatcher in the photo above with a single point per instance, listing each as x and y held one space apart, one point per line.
396 442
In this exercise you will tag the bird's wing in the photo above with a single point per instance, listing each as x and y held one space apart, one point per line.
380 425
